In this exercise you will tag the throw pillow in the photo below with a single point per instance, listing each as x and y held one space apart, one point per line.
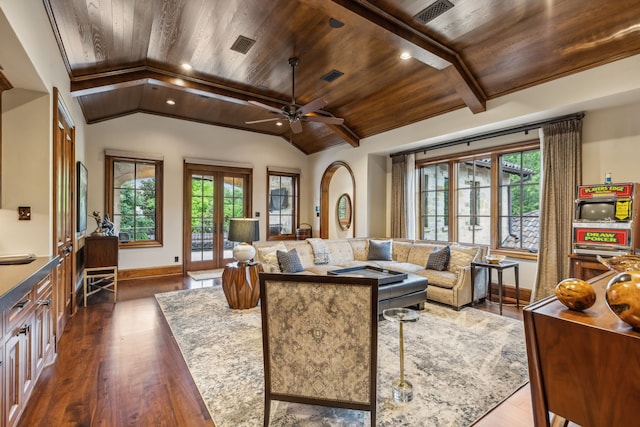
439 260
379 250
289 261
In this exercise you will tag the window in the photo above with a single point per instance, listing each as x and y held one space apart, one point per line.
519 200
283 201
495 198
434 187
134 199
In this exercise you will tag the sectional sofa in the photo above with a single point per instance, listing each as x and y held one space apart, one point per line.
449 283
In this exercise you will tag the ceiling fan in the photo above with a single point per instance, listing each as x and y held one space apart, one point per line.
296 115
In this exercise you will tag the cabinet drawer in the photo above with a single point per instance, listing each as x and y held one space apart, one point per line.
43 288
16 315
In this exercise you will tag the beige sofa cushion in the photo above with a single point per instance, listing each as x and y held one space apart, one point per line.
268 258
400 250
419 253
304 249
461 257
441 279
359 248
340 252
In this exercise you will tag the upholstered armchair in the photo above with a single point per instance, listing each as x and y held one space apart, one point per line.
320 340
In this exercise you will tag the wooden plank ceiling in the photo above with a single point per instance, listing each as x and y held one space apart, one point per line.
125 56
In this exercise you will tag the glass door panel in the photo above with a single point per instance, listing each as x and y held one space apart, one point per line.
207 214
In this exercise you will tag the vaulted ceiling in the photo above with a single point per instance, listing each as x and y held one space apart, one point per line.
126 56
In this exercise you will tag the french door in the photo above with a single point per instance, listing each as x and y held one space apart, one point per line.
213 195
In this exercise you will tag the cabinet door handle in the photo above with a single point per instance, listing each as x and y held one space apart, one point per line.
21 304
44 302
23 330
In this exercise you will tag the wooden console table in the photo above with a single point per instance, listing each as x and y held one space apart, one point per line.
583 366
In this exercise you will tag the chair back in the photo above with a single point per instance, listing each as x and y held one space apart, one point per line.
320 340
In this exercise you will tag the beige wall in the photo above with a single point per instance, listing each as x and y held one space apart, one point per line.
31 61
175 140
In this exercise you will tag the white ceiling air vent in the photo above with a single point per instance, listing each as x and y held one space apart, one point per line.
242 44
432 11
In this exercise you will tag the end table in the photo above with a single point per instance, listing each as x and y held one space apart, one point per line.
500 267
241 285
402 389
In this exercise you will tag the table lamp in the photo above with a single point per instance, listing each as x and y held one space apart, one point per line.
243 230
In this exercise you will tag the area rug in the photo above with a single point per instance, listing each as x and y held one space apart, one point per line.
205 274
461 363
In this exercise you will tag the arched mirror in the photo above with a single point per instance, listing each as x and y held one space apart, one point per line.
343 211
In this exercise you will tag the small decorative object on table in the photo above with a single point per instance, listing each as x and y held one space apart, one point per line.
495 259
621 263
402 389
576 294
104 226
623 297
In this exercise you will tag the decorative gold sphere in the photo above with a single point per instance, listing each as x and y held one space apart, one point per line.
576 294
623 297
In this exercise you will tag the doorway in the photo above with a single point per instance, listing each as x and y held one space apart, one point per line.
213 195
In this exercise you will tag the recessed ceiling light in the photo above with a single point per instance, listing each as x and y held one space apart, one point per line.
179 82
405 55
278 123
171 102
186 66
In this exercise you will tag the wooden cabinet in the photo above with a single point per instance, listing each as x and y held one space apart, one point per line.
100 251
586 267
583 366
28 346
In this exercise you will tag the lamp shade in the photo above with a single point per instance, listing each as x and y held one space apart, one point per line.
243 230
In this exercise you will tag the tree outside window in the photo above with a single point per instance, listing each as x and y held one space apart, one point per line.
134 196
501 215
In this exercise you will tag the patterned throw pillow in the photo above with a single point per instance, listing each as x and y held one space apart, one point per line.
439 260
289 261
379 250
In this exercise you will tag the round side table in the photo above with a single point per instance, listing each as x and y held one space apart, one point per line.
241 285
401 389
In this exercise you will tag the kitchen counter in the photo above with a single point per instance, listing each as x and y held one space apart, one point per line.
17 280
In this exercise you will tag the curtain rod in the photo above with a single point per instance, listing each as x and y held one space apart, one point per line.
494 134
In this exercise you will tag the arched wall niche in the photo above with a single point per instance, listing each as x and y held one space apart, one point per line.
337 180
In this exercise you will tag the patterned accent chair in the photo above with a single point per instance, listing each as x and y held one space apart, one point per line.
320 341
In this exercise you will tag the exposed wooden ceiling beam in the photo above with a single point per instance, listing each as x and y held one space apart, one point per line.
430 51
107 81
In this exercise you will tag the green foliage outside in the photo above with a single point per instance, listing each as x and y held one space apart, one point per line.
138 209
524 191
202 209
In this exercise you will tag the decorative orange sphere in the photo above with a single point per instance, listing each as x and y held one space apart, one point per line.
576 294
623 297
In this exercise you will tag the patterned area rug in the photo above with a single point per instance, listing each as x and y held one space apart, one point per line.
205 274
461 363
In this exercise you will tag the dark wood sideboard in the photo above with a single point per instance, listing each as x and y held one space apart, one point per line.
583 366
586 267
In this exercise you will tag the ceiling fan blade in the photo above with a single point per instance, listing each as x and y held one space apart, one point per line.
324 119
312 106
273 119
296 126
265 106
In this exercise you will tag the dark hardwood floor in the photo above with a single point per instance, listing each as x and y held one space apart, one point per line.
119 365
